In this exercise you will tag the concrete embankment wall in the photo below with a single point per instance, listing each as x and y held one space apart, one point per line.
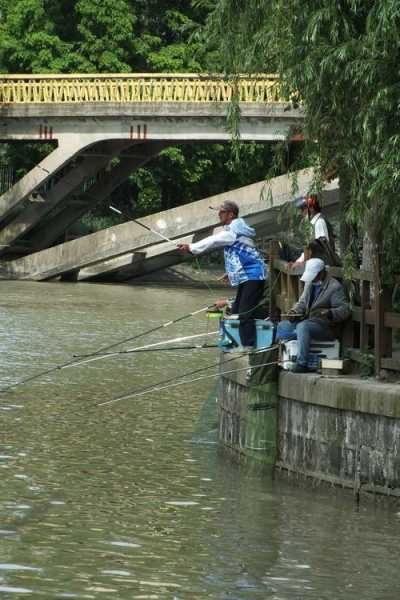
342 431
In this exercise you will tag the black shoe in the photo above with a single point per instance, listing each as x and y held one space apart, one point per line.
299 368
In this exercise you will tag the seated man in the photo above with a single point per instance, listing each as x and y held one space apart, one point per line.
321 307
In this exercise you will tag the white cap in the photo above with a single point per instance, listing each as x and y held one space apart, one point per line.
313 267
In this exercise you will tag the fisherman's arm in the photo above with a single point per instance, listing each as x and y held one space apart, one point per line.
300 308
340 308
218 240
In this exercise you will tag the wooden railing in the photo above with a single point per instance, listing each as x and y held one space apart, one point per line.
373 323
138 87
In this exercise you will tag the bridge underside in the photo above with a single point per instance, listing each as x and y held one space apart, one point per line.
80 172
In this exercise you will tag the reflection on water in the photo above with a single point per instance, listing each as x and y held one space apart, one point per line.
134 500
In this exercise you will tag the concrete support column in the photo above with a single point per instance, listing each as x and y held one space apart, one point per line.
51 231
71 181
15 196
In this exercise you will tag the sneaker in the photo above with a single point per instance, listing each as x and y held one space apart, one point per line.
299 368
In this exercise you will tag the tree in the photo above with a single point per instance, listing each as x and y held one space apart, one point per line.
121 36
28 40
341 61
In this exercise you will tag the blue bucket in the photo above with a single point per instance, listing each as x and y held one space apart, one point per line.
229 333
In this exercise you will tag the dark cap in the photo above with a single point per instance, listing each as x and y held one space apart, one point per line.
300 202
310 201
229 206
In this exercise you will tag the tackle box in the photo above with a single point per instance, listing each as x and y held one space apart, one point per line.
229 333
318 350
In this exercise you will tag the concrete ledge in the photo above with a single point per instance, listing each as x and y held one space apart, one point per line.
343 393
148 109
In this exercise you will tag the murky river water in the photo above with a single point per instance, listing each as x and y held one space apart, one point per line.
133 500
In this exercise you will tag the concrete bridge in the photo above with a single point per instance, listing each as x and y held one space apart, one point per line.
91 119
128 250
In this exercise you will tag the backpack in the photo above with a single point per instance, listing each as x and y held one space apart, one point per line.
328 247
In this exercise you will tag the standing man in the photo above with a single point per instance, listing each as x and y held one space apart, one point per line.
320 309
245 269
311 212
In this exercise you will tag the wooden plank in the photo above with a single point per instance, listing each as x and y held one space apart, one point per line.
273 276
365 298
291 286
391 363
383 334
356 275
392 320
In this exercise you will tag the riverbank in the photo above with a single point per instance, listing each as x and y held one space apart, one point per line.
185 274
344 431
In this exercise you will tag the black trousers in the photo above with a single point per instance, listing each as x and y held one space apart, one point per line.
248 296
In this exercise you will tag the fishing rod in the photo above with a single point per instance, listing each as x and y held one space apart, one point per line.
164 237
123 214
73 360
194 372
102 355
156 388
101 351
187 347
144 333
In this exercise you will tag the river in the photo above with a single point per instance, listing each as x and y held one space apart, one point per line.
134 500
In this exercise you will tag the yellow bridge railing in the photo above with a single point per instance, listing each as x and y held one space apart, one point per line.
137 87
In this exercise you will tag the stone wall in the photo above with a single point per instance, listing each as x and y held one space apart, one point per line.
343 431
348 448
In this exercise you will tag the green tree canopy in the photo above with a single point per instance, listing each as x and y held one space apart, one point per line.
73 36
341 60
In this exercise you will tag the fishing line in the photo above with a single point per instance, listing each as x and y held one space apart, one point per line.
194 372
147 332
164 237
133 350
176 384
73 360
105 348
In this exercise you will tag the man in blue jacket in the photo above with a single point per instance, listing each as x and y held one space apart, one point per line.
245 269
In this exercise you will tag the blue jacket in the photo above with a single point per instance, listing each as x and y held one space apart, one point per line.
242 259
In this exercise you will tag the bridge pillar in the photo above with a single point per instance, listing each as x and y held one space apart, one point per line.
52 229
11 200
87 166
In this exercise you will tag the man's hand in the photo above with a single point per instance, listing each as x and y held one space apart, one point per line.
184 247
224 279
292 315
321 313
297 263
221 303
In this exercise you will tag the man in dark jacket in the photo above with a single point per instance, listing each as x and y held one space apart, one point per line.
320 309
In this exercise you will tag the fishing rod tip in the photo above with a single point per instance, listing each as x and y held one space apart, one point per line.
115 209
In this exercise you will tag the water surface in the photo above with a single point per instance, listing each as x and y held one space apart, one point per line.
133 499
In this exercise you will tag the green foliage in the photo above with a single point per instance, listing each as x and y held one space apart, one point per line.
341 59
106 35
119 36
28 41
367 364
179 175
